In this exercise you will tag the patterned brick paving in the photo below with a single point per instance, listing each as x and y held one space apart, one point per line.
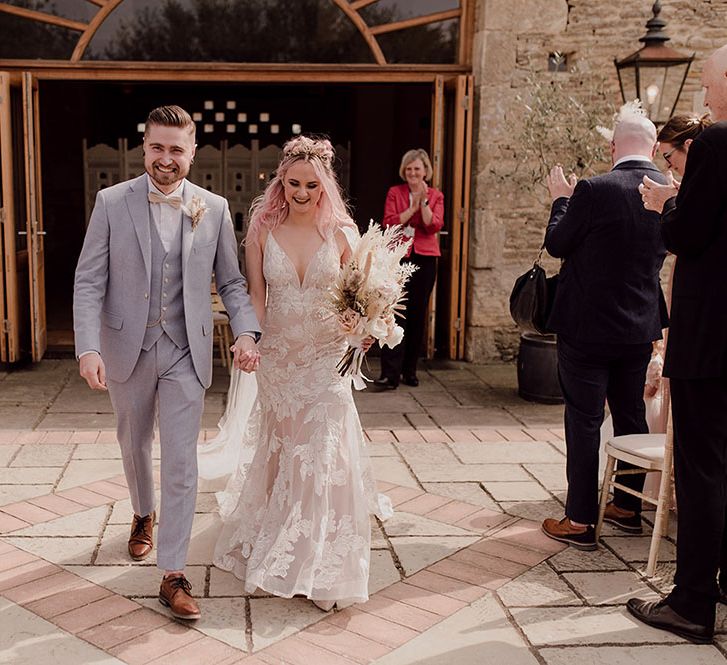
359 634
460 575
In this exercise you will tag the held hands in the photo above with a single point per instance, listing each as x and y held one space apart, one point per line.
649 390
246 355
367 343
92 368
558 185
655 195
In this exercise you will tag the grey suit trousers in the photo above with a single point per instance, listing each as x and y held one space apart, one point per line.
164 382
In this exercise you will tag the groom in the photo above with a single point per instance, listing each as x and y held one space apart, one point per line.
143 326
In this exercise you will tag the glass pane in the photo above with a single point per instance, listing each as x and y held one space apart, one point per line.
223 31
23 38
77 10
388 11
435 43
660 86
627 77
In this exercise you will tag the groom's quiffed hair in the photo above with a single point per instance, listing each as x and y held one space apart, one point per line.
169 116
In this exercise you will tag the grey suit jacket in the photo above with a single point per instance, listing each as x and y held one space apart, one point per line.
111 291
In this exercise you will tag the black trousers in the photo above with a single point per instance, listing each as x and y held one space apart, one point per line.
699 412
589 375
402 359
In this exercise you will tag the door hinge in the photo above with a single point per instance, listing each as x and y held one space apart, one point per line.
458 324
465 102
460 215
7 326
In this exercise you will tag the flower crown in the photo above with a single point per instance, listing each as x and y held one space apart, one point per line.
307 148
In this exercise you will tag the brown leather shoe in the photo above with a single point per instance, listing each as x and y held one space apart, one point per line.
175 593
141 540
580 537
626 520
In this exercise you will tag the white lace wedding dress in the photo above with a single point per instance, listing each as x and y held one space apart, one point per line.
296 511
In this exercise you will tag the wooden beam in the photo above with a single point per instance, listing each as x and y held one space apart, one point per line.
102 70
99 3
42 17
360 4
364 29
419 20
466 31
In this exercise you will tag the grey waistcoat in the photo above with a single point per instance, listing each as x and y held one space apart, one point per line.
166 300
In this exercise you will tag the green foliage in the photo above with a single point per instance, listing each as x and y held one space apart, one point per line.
556 123
233 31
21 38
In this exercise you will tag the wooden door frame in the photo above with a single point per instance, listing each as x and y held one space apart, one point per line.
460 210
458 166
439 76
10 306
437 143
34 216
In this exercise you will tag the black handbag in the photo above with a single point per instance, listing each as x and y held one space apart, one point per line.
532 298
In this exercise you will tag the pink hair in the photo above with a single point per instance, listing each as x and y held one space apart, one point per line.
270 208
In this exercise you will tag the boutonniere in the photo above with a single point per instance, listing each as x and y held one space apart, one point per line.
196 210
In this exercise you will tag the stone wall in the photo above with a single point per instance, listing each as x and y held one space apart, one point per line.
513 38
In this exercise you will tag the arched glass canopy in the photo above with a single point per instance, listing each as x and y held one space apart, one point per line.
377 32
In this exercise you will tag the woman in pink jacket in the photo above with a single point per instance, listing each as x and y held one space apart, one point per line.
420 210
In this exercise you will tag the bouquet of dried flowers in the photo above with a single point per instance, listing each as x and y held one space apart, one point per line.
368 293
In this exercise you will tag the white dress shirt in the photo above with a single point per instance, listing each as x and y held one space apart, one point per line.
633 158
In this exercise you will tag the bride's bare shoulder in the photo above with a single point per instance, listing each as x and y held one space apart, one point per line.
344 246
261 237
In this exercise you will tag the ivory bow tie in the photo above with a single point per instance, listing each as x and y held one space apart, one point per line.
174 201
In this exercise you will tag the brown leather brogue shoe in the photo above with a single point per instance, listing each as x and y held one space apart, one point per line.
580 537
626 520
141 541
176 594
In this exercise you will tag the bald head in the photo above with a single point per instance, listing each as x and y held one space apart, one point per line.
714 81
634 135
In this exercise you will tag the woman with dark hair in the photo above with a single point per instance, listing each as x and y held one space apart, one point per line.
419 209
674 138
677 135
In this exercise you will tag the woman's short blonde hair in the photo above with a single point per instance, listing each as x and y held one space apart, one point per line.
410 156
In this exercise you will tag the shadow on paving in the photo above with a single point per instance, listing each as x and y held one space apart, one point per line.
51 395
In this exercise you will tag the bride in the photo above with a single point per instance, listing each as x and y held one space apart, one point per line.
296 511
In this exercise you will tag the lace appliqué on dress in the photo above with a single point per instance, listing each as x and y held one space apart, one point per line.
297 517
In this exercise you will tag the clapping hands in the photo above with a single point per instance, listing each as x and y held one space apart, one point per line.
419 196
654 194
558 185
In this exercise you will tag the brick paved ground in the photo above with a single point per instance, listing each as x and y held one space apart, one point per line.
460 575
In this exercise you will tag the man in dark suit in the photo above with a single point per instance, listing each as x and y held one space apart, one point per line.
608 310
694 226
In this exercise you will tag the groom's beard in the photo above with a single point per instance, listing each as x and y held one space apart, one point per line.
171 174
